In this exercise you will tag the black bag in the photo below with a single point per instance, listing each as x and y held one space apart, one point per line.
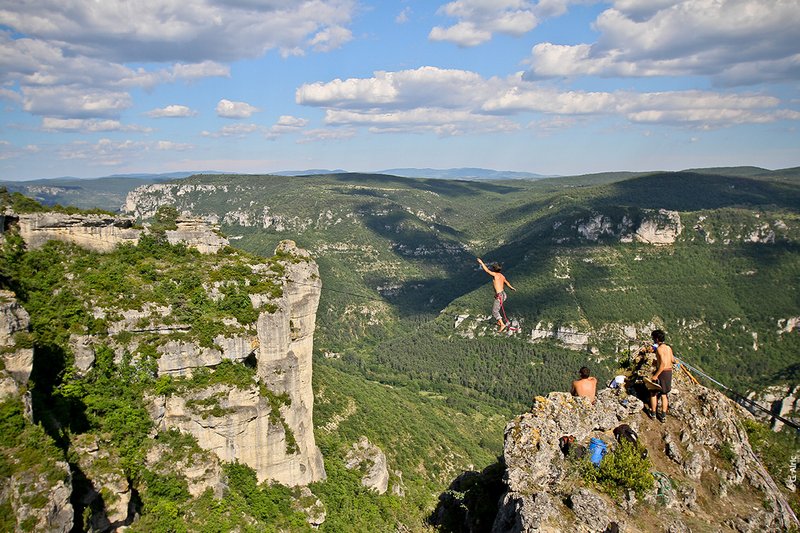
625 432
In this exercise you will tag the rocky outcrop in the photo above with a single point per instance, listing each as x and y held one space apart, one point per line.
664 228
307 503
788 325
105 488
101 233
16 351
181 358
197 233
655 227
545 492
201 468
570 337
781 400
38 503
286 341
269 429
369 458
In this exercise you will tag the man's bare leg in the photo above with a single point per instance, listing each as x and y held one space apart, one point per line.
501 325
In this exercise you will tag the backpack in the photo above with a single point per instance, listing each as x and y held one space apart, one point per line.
624 431
571 448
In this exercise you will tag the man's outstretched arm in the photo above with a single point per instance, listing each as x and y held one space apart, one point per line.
484 267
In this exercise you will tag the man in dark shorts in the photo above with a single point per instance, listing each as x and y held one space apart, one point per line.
663 376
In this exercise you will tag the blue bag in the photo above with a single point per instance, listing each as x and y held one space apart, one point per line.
597 449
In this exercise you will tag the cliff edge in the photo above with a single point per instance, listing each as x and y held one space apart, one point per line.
704 469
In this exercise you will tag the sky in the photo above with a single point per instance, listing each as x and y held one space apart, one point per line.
556 87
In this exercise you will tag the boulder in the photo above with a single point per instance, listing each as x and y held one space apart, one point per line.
372 460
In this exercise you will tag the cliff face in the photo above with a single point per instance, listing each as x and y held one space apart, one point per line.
273 436
16 357
265 422
38 493
102 233
245 427
696 483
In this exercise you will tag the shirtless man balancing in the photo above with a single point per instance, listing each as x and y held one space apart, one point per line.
499 281
663 375
586 386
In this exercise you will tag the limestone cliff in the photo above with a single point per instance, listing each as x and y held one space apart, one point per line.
102 233
241 424
696 483
16 352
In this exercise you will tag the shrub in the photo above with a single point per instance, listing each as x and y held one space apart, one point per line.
621 470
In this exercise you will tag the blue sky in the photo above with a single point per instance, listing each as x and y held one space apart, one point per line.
551 86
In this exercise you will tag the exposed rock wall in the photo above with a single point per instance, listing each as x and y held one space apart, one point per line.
370 459
38 502
102 233
241 424
197 233
16 362
286 341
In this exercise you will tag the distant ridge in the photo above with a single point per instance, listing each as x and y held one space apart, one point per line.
462 173
309 172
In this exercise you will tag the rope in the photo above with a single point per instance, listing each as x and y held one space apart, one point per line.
741 397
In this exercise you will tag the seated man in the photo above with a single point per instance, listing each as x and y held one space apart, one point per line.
586 386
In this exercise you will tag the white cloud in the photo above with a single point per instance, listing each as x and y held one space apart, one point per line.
317 135
110 153
405 89
90 47
166 30
229 109
8 94
104 152
69 101
10 151
404 16
288 124
478 20
173 146
172 111
732 41
456 102
79 125
330 38
233 130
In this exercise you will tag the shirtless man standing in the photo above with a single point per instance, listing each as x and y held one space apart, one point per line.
586 386
663 376
499 281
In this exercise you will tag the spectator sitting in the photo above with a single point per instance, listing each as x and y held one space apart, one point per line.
586 386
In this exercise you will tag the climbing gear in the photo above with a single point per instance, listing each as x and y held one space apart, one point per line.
664 487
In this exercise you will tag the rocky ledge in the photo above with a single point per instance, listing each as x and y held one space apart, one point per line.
696 483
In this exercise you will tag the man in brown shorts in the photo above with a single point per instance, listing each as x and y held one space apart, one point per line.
663 376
